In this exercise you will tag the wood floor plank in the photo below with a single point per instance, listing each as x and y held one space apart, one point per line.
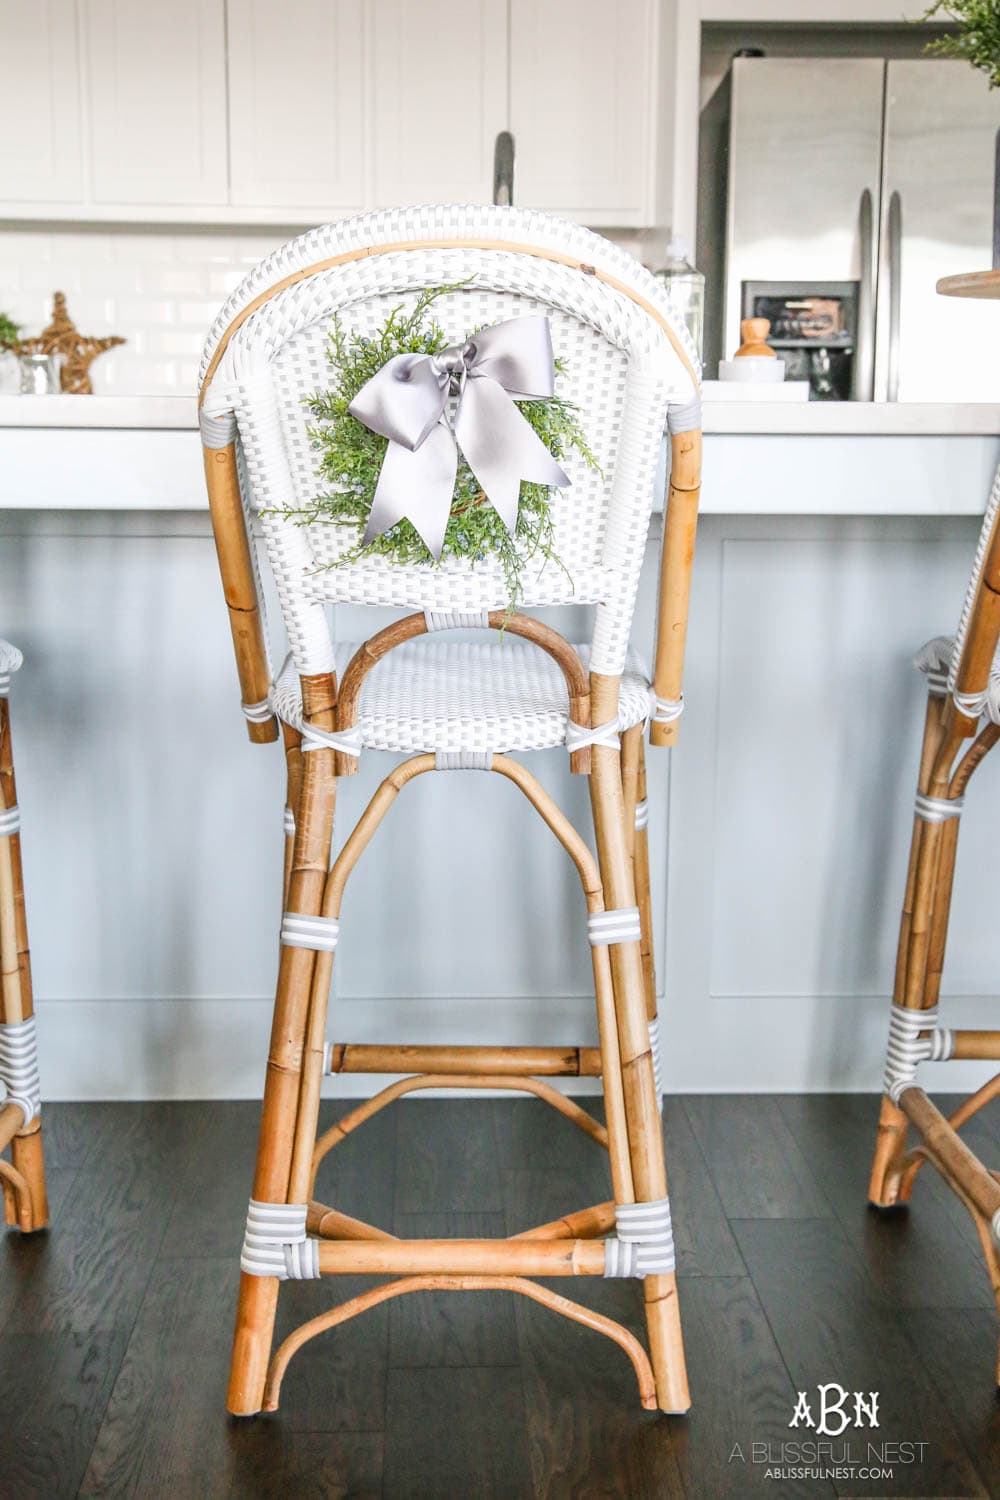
758 1170
336 1382
76 1135
456 1432
437 1329
94 1269
830 1326
702 1237
960 1355
53 1392
278 1465
742 1395
164 1432
916 1257
446 1158
214 1184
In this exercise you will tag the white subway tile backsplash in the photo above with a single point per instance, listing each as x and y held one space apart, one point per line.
159 288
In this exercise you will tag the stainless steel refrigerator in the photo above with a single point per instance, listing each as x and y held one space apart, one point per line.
833 192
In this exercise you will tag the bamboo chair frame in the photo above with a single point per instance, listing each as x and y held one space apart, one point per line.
22 1179
289 1152
954 717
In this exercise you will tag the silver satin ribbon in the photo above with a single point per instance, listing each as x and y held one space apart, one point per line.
407 402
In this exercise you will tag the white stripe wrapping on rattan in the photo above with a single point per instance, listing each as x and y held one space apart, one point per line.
10 820
641 815
347 741
299 930
684 416
19 1066
10 662
934 661
579 736
985 536
463 760
289 823
906 1048
995 1226
218 429
275 1243
257 713
972 704
644 1243
665 710
621 374
619 925
937 809
469 619
654 1052
487 695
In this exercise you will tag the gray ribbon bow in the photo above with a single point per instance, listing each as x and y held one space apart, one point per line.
406 402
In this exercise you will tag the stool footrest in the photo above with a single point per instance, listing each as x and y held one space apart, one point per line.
539 1062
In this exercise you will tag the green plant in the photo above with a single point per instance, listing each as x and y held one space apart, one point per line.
10 332
351 457
977 37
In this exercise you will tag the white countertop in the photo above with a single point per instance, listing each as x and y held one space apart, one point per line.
833 418
141 453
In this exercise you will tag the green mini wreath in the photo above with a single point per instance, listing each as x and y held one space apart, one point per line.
351 458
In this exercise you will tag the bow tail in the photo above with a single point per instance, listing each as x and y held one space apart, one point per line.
502 448
416 486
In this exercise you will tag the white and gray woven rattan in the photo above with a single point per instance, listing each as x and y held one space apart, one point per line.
23 1176
457 702
963 706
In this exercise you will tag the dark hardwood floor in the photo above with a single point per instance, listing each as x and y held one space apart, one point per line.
115 1326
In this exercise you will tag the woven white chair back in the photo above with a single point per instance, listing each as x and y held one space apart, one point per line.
621 372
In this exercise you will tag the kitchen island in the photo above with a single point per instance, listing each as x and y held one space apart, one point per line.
834 541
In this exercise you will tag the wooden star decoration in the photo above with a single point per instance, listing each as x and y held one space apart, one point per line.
79 350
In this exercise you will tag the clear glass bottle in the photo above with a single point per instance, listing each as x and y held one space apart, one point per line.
685 285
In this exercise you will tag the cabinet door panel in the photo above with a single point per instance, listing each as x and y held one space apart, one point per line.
440 98
40 103
296 103
582 106
157 101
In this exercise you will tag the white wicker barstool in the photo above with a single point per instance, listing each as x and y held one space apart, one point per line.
23 1177
452 706
963 703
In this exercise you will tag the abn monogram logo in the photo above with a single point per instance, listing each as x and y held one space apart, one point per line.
837 1409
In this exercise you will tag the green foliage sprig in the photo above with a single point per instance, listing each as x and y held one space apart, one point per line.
350 457
977 39
10 332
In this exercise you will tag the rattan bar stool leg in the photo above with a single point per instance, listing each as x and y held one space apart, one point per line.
284 1122
923 932
24 1191
641 1108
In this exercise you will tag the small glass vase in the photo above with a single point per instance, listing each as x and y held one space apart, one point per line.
39 374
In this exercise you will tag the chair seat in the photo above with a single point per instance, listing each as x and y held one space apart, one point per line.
447 695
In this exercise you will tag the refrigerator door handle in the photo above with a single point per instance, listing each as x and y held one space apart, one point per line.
864 355
895 290
503 168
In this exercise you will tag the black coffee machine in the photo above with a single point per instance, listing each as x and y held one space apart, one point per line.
813 329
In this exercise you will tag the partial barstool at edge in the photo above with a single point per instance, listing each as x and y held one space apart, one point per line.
962 725
23 1177
450 705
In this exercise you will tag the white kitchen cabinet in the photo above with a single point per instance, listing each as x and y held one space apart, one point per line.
157 102
40 103
584 108
296 104
255 112
439 99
